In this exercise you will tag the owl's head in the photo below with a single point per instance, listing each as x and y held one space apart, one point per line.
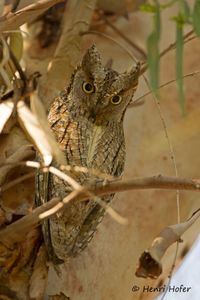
102 94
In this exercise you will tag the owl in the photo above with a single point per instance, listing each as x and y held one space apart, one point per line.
87 121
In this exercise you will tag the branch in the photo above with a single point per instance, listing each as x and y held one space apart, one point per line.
155 182
138 100
16 231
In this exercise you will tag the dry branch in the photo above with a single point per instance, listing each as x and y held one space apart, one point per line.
14 20
16 231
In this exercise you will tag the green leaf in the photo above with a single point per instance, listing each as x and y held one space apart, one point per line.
196 17
185 9
179 65
157 21
153 50
147 7
180 20
153 60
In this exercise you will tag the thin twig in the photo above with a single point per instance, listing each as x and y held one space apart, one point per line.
78 188
124 37
90 171
65 177
16 231
168 49
134 103
173 45
153 182
173 158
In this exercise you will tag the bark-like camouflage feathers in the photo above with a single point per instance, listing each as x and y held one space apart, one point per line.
87 120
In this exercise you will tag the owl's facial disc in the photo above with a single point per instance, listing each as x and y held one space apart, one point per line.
102 93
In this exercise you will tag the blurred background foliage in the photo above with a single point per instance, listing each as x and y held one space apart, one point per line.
15 12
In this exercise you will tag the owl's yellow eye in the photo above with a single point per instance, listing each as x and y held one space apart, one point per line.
88 88
116 99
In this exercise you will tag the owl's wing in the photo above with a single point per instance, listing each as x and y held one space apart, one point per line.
41 196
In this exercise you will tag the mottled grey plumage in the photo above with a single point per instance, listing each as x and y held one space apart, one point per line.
87 120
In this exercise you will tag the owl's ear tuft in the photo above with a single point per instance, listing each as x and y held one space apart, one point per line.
91 58
92 65
127 80
131 77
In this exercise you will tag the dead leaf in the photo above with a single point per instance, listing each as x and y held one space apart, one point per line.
39 276
23 153
28 247
24 15
32 127
39 111
150 260
6 109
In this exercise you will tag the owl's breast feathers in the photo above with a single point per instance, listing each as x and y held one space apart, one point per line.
87 144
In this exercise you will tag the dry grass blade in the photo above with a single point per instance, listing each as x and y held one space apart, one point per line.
150 260
26 14
6 109
32 126
117 217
